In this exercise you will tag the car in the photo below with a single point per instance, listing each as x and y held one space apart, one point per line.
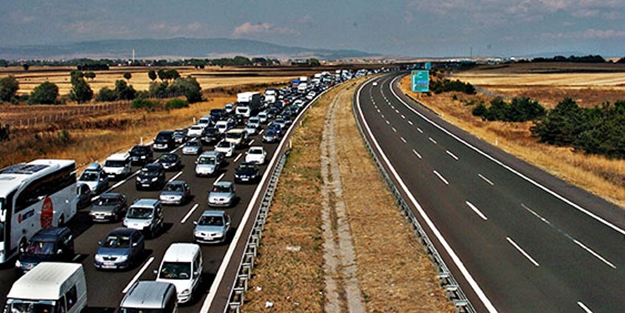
95 177
229 108
213 226
83 195
180 135
208 163
280 122
247 172
54 244
222 194
271 135
151 176
170 161
121 249
205 121
217 114
311 95
141 154
195 131
192 147
210 136
109 207
181 266
254 120
164 140
226 147
263 117
222 126
175 192
276 127
256 154
251 129
238 136
146 215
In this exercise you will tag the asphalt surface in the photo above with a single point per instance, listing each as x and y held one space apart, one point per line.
106 287
516 238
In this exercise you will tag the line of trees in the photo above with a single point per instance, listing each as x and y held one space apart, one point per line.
518 110
446 85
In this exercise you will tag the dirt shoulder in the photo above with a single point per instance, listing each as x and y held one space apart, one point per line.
392 271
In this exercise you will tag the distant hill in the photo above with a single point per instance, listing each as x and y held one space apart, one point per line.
175 48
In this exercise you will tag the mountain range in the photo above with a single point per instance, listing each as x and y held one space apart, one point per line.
174 48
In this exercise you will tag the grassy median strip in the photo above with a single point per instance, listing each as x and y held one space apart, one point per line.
393 271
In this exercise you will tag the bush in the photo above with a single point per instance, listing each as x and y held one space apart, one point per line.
143 104
106 95
176 103
45 93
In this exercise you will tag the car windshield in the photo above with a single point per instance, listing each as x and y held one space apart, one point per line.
41 247
168 157
218 188
114 163
256 151
149 172
211 221
192 144
139 212
224 144
139 149
235 135
245 166
173 187
107 201
89 176
175 270
206 160
25 306
116 241
178 133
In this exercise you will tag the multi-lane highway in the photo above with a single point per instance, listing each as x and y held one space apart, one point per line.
516 238
106 288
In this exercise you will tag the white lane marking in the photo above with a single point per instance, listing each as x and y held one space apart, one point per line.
419 130
237 158
186 217
119 183
486 179
251 142
595 254
402 139
139 273
261 131
394 130
403 117
476 210
175 176
500 163
452 254
565 234
396 111
432 140
416 153
584 307
382 115
410 122
387 122
522 252
441 177
220 177
452 155
378 110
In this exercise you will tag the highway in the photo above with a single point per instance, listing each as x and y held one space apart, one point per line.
106 288
516 238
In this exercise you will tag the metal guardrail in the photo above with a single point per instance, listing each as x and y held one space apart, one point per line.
251 248
446 279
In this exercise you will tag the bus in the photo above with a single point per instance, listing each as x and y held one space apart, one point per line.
34 195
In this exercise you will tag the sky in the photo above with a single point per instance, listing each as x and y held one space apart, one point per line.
417 28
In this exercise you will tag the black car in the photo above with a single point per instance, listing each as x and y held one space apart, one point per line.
170 161
210 136
247 172
271 136
54 244
164 140
141 154
151 176
110 206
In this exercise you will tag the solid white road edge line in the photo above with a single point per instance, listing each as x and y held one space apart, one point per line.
184 219
452 254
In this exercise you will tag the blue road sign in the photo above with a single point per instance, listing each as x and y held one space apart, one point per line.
420 81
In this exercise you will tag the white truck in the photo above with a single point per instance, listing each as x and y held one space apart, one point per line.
248 103
271 95
117 165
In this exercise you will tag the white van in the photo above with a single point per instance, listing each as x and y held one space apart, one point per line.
51 286
182 266
150 296
117 165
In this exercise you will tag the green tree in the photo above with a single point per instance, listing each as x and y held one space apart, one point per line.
561 125
152 75
189 87
8 88
106 95
90 75
81 91
124 91
127 76
25 66
45 93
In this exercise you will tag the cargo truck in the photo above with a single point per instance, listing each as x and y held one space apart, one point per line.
248 103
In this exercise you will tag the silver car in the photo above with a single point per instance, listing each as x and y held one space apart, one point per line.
208 163
176 192
212 227
223 194
192 147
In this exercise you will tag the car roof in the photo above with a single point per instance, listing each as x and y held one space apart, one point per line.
223 183
153 165
209 153
94 166
145 202
49 234
111 195
214 213
177 182
121 231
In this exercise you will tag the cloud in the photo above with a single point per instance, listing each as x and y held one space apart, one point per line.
249 29
587 34
166 28
195 26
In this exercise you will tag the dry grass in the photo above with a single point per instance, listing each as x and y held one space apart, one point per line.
596 174
394 272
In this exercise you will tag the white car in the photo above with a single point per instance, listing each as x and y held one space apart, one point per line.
256 154
225 147
195 131
263 117
251 129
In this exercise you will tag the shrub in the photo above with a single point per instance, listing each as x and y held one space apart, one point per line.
176 103
143 104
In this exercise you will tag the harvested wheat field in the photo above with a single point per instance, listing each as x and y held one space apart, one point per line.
599 175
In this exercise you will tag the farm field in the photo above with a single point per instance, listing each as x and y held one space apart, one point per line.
549 84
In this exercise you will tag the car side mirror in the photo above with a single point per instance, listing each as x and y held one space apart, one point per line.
155 272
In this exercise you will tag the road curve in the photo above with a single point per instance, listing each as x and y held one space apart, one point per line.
516 238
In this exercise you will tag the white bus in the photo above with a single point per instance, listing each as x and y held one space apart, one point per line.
33 196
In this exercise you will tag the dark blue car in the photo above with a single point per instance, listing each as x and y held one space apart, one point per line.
120 249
